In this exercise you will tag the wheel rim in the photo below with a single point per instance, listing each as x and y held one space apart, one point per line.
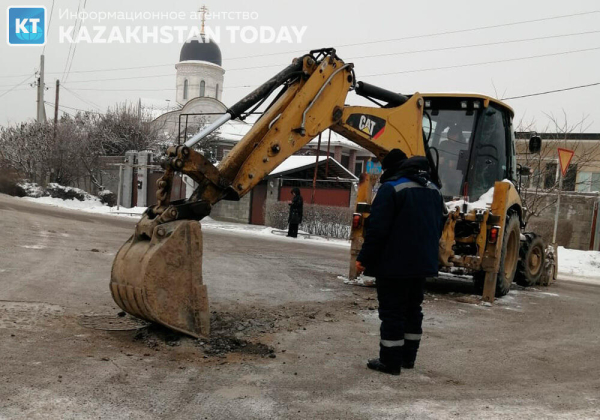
534 262
511 256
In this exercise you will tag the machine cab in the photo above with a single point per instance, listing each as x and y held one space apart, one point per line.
472 140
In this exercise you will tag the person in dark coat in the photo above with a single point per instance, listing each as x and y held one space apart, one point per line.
401 249
295 217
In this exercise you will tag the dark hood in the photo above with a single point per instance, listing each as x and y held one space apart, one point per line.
415 168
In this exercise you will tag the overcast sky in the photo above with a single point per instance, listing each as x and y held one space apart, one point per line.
334 23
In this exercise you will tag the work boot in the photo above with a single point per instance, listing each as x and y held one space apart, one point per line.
377 365
409 353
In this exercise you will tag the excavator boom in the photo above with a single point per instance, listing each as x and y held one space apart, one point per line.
157 274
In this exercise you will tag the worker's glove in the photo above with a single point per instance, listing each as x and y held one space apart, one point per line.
359 268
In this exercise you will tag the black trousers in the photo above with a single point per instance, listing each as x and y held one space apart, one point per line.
293 230
401 316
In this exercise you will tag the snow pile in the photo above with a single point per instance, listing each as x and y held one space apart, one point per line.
484 202
579 263
55 190
361 280
31 189
104 193
91 205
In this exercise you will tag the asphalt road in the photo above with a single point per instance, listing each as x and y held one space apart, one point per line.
290 339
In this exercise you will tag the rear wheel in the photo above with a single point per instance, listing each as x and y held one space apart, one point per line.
508 258
532 259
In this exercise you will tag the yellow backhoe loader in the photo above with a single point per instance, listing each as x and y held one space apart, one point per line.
468 140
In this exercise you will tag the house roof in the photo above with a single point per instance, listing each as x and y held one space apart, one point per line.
234 130
295 164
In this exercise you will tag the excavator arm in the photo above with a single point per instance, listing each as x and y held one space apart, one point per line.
315 87
157 273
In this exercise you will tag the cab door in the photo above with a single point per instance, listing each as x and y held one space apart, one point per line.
490 160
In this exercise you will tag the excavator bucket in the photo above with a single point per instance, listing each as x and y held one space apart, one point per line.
160 279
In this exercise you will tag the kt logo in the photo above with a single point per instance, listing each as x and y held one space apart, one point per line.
26 25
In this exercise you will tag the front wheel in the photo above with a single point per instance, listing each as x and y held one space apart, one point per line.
532 260
509 258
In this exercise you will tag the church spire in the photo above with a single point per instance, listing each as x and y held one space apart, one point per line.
202 11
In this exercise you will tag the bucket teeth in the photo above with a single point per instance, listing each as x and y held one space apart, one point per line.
160 279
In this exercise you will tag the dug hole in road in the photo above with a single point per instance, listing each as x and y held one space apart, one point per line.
289 339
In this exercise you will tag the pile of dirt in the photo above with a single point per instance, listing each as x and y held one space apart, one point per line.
247 329
220 346
156 336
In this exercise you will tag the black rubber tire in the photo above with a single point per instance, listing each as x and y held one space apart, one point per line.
532 258
504 280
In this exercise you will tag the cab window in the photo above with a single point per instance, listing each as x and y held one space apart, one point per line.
489 162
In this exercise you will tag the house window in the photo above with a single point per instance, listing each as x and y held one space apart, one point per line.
217 91
588 181
550 180
202 88
359 167
225 152
185 89
569 180
550 175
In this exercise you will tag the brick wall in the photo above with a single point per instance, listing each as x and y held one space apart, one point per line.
232 211
574 223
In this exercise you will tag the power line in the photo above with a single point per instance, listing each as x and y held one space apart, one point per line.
75 109
478 28
76 95
122 78
75 48
368 75
508 60
502 99
48 29
71 44
122 90
16 86
374 42
487 44
371 75
551 91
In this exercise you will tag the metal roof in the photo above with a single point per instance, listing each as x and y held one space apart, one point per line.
295 164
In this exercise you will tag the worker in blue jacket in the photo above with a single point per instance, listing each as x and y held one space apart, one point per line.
400 250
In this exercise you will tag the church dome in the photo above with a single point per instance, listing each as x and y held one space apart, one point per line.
201 50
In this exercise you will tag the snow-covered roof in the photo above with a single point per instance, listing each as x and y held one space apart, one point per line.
235 130
297 163
336 140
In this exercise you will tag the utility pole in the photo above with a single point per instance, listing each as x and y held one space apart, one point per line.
41 112
56 107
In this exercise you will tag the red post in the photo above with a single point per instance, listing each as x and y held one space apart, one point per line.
327 161
312 200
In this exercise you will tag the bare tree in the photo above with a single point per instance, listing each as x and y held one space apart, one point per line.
32 150
539 190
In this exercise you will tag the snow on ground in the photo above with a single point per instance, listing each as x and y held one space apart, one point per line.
572 264
575 265
93 205
265 231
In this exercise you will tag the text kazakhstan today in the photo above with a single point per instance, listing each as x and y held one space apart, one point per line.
166 34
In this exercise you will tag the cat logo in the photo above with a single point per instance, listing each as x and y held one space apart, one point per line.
368 124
